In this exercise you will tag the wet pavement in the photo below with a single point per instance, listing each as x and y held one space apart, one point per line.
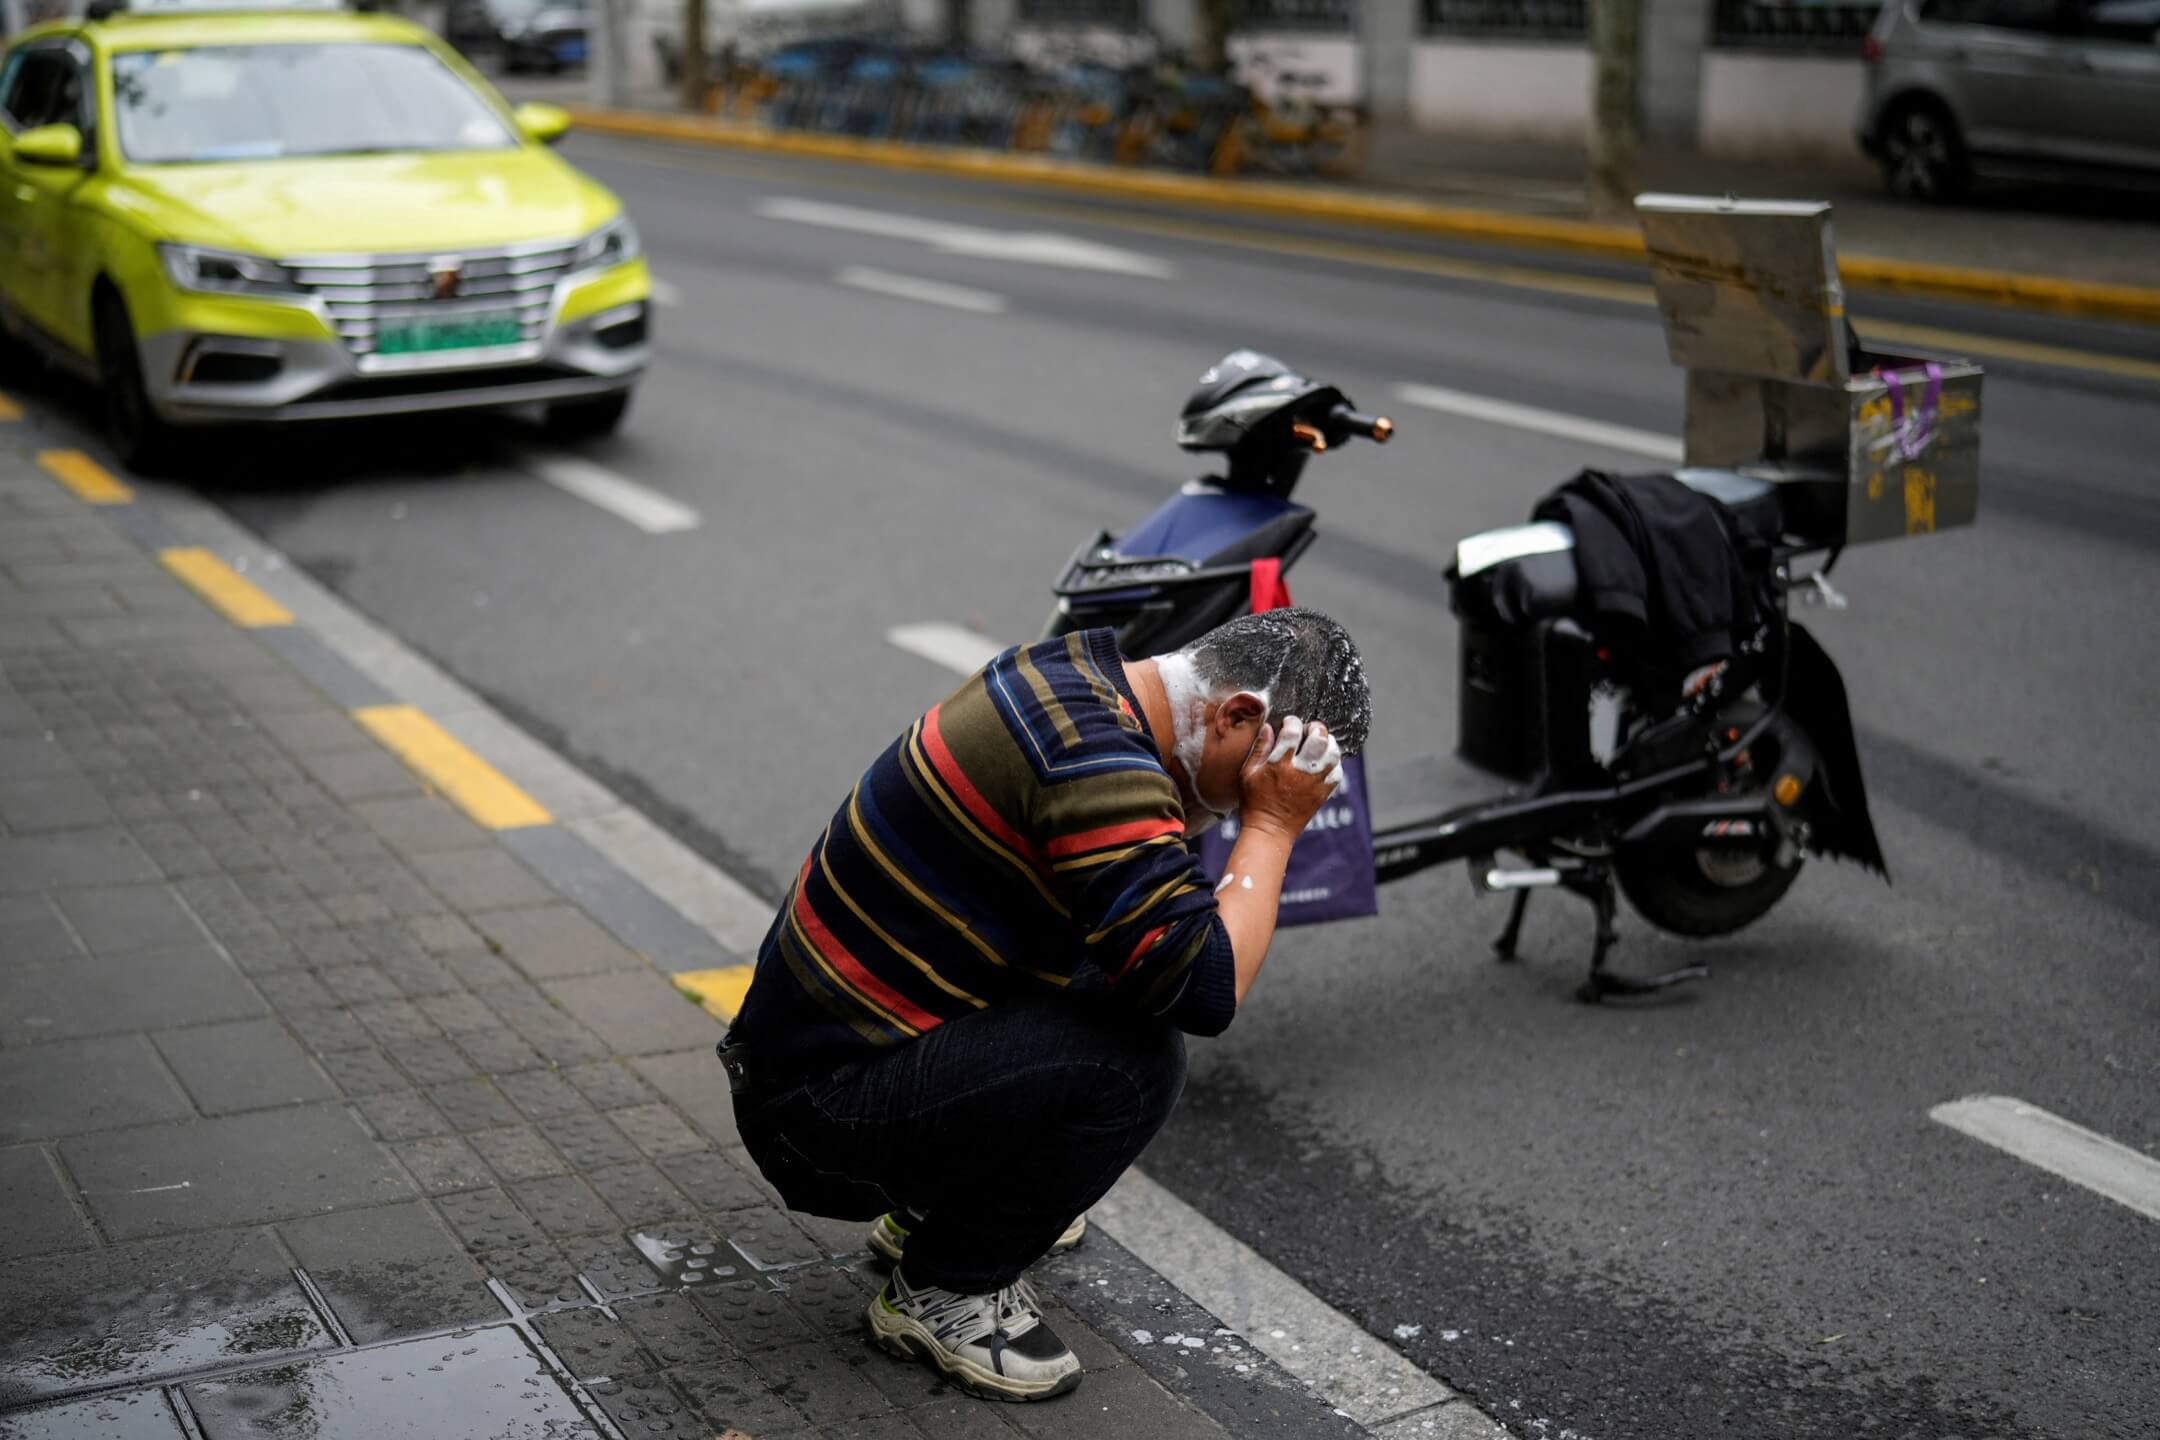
322 1115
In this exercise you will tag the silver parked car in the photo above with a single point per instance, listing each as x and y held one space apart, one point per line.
2039 89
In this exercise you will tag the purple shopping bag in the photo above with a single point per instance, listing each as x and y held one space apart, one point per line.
1331 866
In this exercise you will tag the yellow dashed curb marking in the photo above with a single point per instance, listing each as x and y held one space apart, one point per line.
233 597
9 410
473 785
88 479
720 991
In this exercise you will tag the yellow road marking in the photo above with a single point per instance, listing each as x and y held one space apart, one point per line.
85 477
9 410
235 598
720 991
440 758
1519 277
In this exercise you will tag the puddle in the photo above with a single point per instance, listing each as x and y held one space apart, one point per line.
691 1262
484 1385
141 1416
137 1312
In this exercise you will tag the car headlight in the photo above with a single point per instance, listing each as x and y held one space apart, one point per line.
612 244
193 267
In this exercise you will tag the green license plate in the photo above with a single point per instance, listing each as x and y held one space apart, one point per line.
464 332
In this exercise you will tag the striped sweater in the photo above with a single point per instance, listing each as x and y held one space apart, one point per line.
1021 835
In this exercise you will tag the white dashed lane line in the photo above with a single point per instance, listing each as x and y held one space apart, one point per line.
1544 422
955 647
2058 1146
929 292
647 509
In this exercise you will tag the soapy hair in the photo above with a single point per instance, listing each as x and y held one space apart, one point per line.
1302 662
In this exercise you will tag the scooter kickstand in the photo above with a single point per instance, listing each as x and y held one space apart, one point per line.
1504 947
1603 982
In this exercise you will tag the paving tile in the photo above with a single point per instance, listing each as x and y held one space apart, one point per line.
490 1380
611 1265
557 1036
640 1194
451 1013
121 918
552 941
516 1152
447 935
542 1094
358 985
645 1405
431 1062
130 1312
588 1141
421 825
31 931
751 1315
497 1051
593 1346
75 1086
657 1130
735 1398
323 1031
475 880
815 1378
538 1275
35 803
487 1220
473 1105
244 1065
831 1301
70 857
321 730
892 1426
693 1082
104 994
1124 1401
636 1012
40 1218
609 1084
715 1182
564 1205
400 1115
441 1164
767 1241
363 1071
835 1237
390 1270
675 1331
361 774
138 1415
954 1416
231 1171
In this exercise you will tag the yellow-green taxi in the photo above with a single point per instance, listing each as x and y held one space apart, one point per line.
223 214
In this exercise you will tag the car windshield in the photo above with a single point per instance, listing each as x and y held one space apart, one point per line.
265 102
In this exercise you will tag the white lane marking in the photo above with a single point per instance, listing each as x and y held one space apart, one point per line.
930 292
649 510
666 292
1271 1312
954 646
2059 1146
1023 247
1547 422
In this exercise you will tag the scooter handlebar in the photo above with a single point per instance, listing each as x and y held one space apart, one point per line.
1343 422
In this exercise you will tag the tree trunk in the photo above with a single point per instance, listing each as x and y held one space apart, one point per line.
959 24
1615 51
1217 19
694 78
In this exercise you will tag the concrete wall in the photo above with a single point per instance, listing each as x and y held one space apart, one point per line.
1261 55
1779 105
1501 91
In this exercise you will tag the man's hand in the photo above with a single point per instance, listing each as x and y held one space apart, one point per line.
1288 777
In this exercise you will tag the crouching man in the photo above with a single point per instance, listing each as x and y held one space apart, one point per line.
966 1019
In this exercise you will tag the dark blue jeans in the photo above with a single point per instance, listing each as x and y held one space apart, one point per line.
997 1129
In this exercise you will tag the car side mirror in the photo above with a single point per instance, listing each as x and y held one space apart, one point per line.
544 123
50 145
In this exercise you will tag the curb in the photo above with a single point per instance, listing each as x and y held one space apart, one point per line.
2008 289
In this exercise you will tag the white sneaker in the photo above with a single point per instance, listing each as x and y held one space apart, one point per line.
996 1346
888 1236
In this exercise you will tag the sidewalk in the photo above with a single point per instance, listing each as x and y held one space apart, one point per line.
325 1114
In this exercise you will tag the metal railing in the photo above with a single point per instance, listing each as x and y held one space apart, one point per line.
1820 26
1514 19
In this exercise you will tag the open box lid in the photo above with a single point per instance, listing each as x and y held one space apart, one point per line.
1748 286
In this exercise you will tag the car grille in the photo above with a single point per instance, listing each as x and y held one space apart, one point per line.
362 291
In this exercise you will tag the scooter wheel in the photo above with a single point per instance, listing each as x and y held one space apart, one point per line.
1706 891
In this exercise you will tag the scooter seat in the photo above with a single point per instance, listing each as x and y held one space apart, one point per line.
1515 576
1754 502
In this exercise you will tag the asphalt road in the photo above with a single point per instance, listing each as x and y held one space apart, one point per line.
1728 1214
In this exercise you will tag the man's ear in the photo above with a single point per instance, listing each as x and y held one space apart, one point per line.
1243 708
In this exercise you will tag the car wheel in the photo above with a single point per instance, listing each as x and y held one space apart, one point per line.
1923 157
144 443
584 419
